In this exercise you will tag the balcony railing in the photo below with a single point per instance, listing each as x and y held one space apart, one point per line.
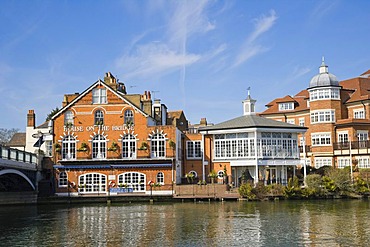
17 155
354 145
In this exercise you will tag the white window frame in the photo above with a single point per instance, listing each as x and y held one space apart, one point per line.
193 149
359 114
322 116
63 179
323 161
99 96
320 139
92 183
343 162
194 173
301 121
99 117
160 178
99 147
286 106
291 121
134 180
158 146
324 94
343 137
68 117
129 117
363 161
362 135
69 148
49 148
129 146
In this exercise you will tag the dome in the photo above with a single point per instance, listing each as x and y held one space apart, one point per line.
324 78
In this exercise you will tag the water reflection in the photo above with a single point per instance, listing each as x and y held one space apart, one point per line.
283 223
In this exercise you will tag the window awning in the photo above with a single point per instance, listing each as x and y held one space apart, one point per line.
112 166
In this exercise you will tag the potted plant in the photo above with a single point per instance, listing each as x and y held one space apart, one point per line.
83 147
190 177
129 124
99 122
144 146
213 175
172 144
58 148
113 147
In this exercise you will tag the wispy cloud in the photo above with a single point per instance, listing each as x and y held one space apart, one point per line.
299 71
161 57
250 48
322 9
153 59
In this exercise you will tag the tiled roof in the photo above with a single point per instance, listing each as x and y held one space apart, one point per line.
250 121
287 98
174 114
44 125
17 140
361 87
355 89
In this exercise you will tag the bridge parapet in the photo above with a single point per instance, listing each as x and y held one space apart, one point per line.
18 158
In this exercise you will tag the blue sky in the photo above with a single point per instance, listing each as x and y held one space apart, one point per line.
199 56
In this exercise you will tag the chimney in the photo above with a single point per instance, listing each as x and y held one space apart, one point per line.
31 118
110 80
203 121
147 102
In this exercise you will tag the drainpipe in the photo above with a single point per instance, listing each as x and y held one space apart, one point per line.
362 102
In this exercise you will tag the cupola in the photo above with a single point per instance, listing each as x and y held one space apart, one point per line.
324 78
249 105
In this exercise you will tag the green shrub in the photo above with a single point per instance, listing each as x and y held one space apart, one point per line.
339 180
245 190
293 190
314 186
361 186
275 189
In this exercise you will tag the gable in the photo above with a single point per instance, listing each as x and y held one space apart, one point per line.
86 98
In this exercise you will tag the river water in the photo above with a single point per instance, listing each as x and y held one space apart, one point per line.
277 223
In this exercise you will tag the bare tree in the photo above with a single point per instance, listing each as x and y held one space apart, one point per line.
6 135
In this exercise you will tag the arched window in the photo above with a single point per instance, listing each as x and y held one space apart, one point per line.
99 147
134 180
160 178
63 179
129 146
68 148
129 117
158 146
92 183
99 117
68 118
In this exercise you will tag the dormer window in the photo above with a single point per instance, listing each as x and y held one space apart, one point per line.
99 96
286 106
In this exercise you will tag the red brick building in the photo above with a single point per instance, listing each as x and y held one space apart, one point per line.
108 140
337 116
